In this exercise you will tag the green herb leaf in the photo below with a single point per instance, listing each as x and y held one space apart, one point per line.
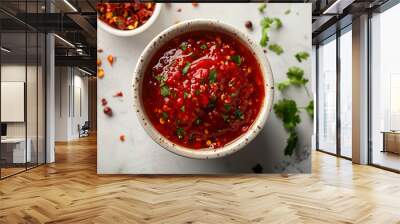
239 114
164 115
180 132
283 85
185 95
165 91
183 46
236 59
291 143
278 23
203 46
295 75
186 68
162 78
183 108
276 48
287 111
198 121
287 12
262 7
302 56
197 92
227 107
212 76
310 108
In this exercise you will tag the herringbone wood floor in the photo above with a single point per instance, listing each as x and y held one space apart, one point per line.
69 191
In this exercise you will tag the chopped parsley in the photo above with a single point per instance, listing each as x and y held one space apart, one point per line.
164 115
180 132
236 59
287 111
183 108
183 46
302 56
203 46
266 24
276 48
185 95
197 92
186 68
295 77
262 7
162 78
165 91
239 114
227 107
212 76
310 108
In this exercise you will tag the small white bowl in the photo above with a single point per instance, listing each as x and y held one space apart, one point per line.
187 27
127 33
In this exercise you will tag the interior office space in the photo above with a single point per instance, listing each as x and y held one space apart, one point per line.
49 122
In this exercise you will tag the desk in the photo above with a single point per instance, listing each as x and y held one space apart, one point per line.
391 141
16 148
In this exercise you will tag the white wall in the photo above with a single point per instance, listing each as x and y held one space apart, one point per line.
71 103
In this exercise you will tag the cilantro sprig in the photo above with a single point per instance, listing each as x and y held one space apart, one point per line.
276 48
287 111
295 77
262 7
266 23
302 56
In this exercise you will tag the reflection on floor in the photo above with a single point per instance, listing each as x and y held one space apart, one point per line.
10 169
386 159
70 191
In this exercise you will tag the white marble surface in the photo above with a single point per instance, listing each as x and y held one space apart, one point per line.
140 155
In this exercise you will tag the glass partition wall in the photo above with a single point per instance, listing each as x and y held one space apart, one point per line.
334 104
385 90
22 77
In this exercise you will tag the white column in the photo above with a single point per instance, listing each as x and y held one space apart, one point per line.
360 90
50 100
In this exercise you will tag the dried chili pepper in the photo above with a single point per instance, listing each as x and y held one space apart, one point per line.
107 111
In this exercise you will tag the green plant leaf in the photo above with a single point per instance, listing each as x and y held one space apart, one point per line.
310 108
236 59
296 76
186 68
291 143
165 91
287 111
212 76
276 48
302 56
262 7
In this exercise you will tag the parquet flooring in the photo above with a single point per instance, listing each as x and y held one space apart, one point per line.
70 191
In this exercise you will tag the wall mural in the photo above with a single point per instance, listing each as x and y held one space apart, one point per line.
204 88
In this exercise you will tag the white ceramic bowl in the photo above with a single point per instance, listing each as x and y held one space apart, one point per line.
126 33
196 25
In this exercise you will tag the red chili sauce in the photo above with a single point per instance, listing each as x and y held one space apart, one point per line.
203 89
125 16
